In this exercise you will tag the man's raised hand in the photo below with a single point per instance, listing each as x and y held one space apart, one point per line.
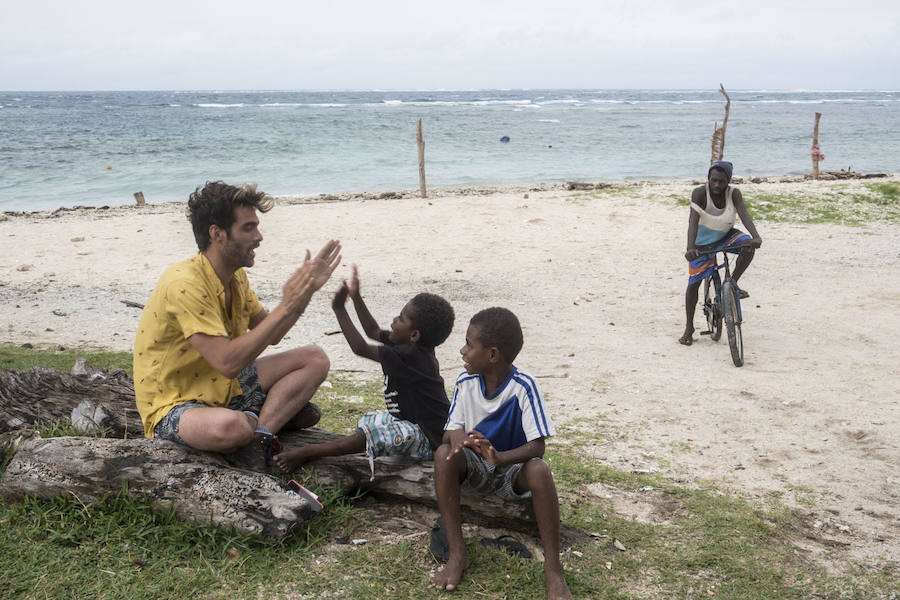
298 289
324 263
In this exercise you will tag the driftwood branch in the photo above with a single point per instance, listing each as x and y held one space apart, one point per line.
718 136
46 396
202 486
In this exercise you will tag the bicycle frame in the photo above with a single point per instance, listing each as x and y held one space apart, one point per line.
719 281
725 306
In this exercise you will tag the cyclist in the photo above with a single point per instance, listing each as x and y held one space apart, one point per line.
711 226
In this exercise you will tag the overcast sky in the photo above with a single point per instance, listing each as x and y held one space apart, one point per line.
450 44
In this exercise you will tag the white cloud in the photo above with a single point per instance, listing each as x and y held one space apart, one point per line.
278 44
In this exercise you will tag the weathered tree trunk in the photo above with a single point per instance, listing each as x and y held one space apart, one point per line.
42 395
201 485
718 136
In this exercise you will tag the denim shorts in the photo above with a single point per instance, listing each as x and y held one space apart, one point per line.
251 398
485 479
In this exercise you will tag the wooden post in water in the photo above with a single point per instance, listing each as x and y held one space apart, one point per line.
816 152
421 144
139 198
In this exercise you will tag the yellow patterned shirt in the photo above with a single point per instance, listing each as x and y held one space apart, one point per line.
168 370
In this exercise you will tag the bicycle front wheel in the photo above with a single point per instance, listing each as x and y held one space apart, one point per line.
733 323
711 310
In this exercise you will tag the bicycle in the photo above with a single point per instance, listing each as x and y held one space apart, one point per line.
721 300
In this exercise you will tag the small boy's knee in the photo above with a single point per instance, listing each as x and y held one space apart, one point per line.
537 470
441 454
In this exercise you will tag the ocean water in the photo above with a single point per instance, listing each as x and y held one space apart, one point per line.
97 148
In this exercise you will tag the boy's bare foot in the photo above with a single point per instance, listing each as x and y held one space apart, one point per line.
556 586
448 577
688 338
291 460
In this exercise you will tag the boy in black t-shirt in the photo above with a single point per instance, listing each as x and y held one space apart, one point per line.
414 393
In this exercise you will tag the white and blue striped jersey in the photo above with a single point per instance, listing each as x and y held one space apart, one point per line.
513 416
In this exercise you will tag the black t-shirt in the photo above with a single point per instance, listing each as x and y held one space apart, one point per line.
413 386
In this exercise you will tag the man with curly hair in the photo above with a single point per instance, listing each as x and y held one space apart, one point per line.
199 377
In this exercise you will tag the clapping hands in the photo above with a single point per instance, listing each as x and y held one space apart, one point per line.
480 444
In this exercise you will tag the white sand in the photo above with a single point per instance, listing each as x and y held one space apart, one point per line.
598 285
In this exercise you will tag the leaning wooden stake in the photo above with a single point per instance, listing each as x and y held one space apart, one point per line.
718 136
421 143
816 152
139 198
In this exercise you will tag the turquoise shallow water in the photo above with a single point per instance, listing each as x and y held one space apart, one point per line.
55 147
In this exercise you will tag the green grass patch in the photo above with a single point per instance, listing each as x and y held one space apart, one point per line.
679 543
346 401
886 193
869 203
22 358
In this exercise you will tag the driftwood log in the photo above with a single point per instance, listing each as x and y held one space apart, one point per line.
202 486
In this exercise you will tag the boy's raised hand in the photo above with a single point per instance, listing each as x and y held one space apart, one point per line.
340 296
354 283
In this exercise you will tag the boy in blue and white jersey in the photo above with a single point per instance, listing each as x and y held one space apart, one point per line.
493 443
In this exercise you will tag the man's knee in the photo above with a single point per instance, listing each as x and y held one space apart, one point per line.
236 429
314 359
230 429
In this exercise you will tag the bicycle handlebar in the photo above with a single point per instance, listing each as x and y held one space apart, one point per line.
716 250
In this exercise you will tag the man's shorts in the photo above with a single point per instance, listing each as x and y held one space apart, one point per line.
484 478
702 267
389 436
251 398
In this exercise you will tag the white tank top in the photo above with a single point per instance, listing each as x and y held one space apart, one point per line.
715 223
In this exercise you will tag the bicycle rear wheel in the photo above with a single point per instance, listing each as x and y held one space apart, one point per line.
733 323
711 310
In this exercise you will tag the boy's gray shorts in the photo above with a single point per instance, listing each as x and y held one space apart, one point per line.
251 399
484 478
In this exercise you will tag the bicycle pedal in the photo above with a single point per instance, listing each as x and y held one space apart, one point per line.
706 333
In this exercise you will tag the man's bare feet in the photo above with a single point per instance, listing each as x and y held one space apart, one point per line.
556 586
291 460
688 338
448 577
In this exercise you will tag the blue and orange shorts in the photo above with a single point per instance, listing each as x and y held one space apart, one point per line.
702 267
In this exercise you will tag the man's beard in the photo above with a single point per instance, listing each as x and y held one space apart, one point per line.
238 255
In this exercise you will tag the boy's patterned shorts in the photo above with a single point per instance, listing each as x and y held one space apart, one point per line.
388 436
484 478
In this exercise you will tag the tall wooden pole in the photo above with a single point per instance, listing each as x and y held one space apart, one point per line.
718 136
816 152
421 143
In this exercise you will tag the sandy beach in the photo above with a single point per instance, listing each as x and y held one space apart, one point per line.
598 285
